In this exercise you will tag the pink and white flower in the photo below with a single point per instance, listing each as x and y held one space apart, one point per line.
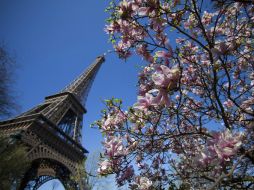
114 147
115 120
221 147
105 167
164 77
228 103
144 102
144 183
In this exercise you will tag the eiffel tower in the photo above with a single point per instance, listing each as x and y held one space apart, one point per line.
52 133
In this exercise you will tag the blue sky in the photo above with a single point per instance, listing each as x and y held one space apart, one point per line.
53 42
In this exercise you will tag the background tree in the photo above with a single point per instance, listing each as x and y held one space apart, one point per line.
13 162
80 178
192 125
92 167
94 180
7 103
13 159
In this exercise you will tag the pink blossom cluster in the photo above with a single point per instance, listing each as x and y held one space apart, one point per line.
125 175
114 120
114 147
207 18
105 167
114 150
164 80
221 148
143 183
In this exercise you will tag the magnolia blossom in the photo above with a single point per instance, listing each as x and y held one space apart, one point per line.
142 50
228 103
160 97
143 89
114 147
158 25
248 104
150 10
121 49
127 8
191 22
144 11
153 97
164 77
112 27
221 147
223 48
144 183
105 167
114 120
125 175
207 18
144 102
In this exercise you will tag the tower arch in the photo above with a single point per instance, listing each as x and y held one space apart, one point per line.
43 170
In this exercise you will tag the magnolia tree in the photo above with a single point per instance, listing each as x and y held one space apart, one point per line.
192 126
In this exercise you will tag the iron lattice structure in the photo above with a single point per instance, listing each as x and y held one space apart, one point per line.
52 133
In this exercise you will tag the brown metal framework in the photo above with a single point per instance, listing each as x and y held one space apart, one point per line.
52 133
